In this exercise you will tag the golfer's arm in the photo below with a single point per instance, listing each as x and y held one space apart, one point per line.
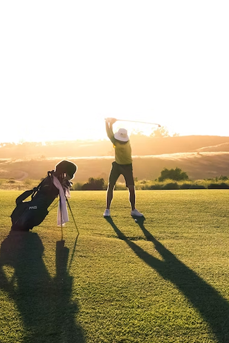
110 133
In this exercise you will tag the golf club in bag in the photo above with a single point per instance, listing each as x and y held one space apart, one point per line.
28 214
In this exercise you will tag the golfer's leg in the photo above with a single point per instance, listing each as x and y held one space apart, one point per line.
129 178
134 211
132 196
109 195
114 174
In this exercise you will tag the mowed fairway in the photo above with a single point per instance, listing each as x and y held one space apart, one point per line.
165 279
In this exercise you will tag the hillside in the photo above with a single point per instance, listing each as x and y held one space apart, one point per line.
199 156
141 145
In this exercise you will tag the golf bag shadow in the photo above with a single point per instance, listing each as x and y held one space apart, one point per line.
28 214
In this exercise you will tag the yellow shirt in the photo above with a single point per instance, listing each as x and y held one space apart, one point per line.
122 152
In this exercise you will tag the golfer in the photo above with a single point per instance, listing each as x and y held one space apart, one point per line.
121 166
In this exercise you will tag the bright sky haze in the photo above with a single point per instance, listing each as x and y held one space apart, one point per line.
66 65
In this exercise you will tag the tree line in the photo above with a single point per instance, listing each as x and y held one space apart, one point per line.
169 179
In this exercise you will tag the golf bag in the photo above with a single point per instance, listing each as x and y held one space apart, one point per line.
28 214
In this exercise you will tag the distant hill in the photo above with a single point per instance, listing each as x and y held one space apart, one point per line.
200 156
141 145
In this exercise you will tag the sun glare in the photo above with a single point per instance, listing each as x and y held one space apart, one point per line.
89 128
61 78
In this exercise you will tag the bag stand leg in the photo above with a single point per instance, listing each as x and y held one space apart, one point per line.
61 225
72 216
74 248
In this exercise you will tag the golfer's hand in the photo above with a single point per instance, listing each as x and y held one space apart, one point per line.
111 120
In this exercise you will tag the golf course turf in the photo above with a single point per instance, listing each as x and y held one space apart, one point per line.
162 279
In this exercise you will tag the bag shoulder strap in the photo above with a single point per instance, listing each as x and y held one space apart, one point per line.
32 192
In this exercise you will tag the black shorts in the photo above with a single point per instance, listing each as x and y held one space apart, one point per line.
121 169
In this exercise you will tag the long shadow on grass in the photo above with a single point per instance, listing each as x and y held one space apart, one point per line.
213 308
45 304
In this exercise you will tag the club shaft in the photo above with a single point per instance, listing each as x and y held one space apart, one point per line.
137 121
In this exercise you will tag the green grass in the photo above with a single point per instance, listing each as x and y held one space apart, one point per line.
164 279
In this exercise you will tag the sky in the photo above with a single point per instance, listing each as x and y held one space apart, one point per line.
67 65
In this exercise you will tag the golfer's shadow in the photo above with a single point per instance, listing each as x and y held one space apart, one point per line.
44 303
213 308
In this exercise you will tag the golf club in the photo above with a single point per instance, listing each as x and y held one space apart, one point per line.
137 121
